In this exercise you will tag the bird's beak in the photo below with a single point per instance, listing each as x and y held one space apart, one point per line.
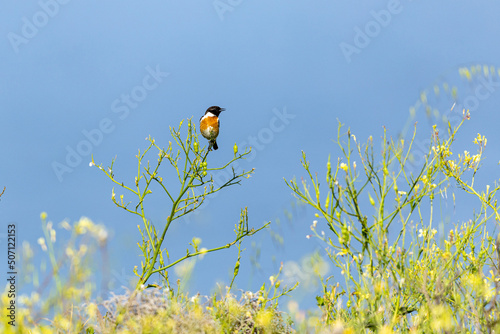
222 109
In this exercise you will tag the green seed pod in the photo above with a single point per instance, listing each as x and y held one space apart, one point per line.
328 170
345 233
372 202
236 268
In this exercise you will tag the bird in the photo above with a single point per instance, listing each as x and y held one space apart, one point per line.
209 125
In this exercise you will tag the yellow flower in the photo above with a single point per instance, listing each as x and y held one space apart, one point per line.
441 319
264 318
480 140
41 242
385 330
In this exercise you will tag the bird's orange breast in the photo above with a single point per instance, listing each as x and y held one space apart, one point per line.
209 127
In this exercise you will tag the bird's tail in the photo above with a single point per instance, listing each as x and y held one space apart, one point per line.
214 145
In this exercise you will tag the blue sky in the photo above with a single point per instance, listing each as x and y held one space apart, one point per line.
284 71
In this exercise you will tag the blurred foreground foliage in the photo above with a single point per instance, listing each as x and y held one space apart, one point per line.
61 301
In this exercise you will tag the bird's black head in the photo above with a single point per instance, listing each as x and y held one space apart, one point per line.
215 110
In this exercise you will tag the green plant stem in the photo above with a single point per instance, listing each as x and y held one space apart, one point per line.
170 218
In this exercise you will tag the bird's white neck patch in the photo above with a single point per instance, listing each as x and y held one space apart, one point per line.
209 114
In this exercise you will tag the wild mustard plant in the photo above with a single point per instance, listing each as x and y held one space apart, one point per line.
186 188
412 281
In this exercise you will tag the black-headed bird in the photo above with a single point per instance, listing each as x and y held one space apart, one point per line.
209 125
